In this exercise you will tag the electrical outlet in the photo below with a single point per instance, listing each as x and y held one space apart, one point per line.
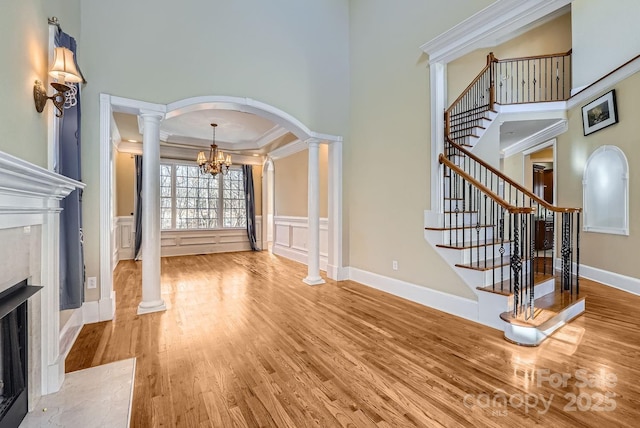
92 282
394 264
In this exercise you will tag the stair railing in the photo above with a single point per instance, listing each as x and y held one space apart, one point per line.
469 184
498 234
470 107
541 78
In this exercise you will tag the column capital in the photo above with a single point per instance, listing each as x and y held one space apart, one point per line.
313 142
151 114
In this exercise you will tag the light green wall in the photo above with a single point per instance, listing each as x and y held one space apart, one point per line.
388 153
287 53
25 32
605 36
612 253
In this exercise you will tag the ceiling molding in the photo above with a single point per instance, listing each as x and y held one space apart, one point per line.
491 26
271 135
539 137
288 150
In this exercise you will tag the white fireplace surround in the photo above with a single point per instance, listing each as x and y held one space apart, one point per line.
29 231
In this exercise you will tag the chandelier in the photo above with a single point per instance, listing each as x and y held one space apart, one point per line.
217 162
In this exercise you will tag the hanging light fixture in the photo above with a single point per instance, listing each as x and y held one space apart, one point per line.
217 163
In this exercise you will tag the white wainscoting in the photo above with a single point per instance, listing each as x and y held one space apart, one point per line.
290 239
184 242
125 237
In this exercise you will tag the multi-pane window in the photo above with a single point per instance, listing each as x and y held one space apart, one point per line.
234 207
191 200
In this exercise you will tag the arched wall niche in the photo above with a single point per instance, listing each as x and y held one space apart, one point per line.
606 192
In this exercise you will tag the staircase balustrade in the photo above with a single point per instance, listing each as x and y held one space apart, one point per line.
503 223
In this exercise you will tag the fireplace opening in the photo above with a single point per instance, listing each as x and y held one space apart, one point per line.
13 353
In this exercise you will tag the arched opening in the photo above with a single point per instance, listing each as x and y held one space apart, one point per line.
281 124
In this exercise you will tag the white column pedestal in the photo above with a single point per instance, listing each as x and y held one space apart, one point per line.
151 290
313 238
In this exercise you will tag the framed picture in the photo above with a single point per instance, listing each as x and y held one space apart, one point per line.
600 113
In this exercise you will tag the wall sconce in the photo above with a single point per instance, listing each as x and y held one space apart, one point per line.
64 70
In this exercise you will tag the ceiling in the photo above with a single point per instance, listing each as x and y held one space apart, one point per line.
515 131
237 132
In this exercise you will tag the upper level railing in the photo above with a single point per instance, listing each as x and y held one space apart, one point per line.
542 78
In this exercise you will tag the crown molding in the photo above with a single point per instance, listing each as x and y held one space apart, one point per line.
269 136
541 136
491 26
288 150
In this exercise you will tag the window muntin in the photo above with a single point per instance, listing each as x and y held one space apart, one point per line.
191 200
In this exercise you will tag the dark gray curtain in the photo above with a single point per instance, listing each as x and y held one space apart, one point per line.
247 174
137 218
72 271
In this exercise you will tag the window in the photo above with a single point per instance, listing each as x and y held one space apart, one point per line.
191 200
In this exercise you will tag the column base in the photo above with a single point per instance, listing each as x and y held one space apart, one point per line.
149 307
315 280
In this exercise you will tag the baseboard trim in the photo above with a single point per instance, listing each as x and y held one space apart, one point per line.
297 255
337 273
70 331
454 305
611 279
90 312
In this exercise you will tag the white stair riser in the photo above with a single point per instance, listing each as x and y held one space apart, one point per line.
534 336
491 305
465 235
462 256
486 278
460 219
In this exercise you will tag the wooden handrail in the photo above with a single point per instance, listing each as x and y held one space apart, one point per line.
468 88
504 204
528 58
518 186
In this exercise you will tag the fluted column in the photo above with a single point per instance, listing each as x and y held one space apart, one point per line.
313 231
151 291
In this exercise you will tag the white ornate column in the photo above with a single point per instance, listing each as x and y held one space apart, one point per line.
313 215
151 290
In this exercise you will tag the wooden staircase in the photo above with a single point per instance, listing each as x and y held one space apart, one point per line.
488 229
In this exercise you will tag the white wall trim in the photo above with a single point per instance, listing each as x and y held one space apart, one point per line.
491 26
455 305
90 312
70 331
290 239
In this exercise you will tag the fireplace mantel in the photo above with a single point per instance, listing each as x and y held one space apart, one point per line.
30 205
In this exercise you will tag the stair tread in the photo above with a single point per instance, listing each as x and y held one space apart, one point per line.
455 128
469 244
545 308
538 278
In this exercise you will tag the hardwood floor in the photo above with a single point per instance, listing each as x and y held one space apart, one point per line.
245 343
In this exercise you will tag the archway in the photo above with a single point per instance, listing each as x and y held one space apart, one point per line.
110 104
